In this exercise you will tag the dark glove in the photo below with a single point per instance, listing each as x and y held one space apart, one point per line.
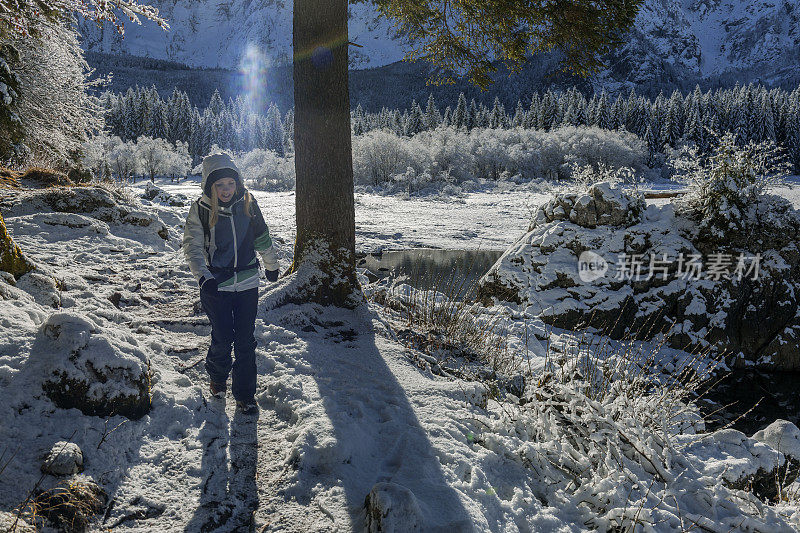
208 285
271 275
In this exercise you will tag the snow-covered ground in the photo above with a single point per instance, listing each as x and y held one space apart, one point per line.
322 441
483 220
489 220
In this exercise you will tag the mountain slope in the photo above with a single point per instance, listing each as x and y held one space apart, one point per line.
238 33
674 43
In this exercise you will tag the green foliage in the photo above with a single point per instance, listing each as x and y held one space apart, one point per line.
465 36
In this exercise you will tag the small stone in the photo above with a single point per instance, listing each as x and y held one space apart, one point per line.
64 459
392 508
7 520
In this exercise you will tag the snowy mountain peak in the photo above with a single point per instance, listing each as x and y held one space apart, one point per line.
671 40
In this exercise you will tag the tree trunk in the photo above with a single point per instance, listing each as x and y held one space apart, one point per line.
324 252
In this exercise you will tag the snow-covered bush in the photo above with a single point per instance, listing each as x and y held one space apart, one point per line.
726 189
266 170
482 153
586 176
380 154
626 455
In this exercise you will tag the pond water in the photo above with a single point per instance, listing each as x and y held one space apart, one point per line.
749 400
452 272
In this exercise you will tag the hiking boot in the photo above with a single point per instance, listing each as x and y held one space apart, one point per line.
248 407
218 389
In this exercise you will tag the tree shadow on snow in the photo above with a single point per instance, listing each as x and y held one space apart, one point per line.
378 438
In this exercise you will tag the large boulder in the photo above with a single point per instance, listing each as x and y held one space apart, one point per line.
104 203
602 260
156 194
97 371
741 463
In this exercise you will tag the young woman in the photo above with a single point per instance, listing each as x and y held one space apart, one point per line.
223 232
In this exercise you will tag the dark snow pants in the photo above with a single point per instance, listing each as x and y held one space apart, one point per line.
232 316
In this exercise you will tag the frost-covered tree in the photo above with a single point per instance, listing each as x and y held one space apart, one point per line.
432 116
50 109
153 155
459 115
124 160
178 161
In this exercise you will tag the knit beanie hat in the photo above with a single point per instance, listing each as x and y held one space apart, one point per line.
217 166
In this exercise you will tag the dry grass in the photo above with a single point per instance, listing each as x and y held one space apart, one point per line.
46 177
70 505
9 179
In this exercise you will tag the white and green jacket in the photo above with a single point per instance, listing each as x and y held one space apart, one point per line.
227 251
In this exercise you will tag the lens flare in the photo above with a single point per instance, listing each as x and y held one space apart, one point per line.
253 70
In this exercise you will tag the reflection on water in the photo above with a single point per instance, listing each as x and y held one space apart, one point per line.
453 272
750 400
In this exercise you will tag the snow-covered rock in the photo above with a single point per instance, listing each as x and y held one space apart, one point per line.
157 194
601 204
99 371
104 204
42 287
392 508
745 463
783 436
602 260
64 459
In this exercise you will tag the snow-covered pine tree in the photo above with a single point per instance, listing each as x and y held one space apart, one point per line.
496 118
215 105
274 130
519 115
459 115
532 117
767 132
447 120
416 119
473 116
616 116
357 121
432 116
288 132
601 114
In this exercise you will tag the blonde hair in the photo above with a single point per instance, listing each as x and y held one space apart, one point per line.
212 220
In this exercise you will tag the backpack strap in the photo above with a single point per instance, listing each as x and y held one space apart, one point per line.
204 212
